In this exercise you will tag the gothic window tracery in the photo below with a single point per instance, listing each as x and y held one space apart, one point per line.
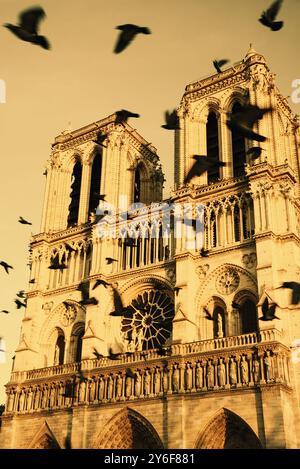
75 194
212 144
238 147
95 183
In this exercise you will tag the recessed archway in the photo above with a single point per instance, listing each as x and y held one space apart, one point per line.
128 430
227 430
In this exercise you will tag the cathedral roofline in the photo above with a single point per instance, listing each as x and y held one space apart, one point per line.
69 135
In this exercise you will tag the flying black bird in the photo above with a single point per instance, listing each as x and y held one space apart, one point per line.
100 282
4 311
220 63
243 121
121 312
268 311
96 196
97 354
254 152
123 116
208 315
130 242
164 351
295 287
177 290
23 221
69 248
27 29
6 266
204 252
128 33
67 304
267 18
172 120
56 265
32 280
130 373
100 139
21 294
113 356
83 287
20 304
110 260
201 165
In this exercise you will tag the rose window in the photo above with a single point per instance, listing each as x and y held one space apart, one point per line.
147 322
228 281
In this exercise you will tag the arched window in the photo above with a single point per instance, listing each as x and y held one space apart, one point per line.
59 351
238 147
79 346
219 322
248 317
75 194
236 221
212 143
95 183
137 185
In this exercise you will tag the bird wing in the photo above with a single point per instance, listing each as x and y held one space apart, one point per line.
273 10
84 288
265 306
124 39
249 115
30 19
296 294
223 62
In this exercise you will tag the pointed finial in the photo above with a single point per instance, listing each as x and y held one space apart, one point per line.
251 51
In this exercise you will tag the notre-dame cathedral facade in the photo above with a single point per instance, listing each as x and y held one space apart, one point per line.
194 365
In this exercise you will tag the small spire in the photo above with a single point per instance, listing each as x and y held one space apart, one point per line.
251 51
68 129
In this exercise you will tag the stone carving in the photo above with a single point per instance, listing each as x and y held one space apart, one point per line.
119 386
244 370
147 382
249 260
157 383
221 373
202 270
82 391
220 326
128 385
233 372
199 376
268 361
228 281
110 387
68 315
138 383
175 378
210 375
188 377
255 370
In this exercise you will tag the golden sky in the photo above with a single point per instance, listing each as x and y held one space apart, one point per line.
80 81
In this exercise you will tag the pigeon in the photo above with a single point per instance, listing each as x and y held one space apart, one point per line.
20 304
27 30
164 351
21 294
97 354
128 33
243 121
6 266
201 165
32 280
23 221
220 63
113 356
267 18
55 265
172 121
69 248
208 315
4 311
121 312
204 253
100 139
268 312
110 260
96 196
83 287
123 116
295 287
100 282
254 152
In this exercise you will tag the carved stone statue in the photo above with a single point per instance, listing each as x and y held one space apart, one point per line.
119 386
188 377
244 370
139 340
92 388
21 400
56 356
82 391
137 384
268 361
221 373
110 387
175 378
37 398
157 383
255 370
210 375
101 389
52 395
165 380
220 326
147 383
233 371
44 397
128 386
10 401
199 376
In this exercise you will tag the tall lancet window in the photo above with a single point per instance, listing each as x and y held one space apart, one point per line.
59 351
212 143
137 185
238 148
95 183
75 194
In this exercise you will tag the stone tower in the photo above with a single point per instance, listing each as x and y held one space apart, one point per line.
142 342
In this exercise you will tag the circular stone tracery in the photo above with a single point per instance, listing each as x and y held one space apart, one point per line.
147 322
228 281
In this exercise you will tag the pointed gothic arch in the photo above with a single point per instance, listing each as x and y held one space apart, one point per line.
75 194
238 147
227 430
212 145
95 182
128 429
44 438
